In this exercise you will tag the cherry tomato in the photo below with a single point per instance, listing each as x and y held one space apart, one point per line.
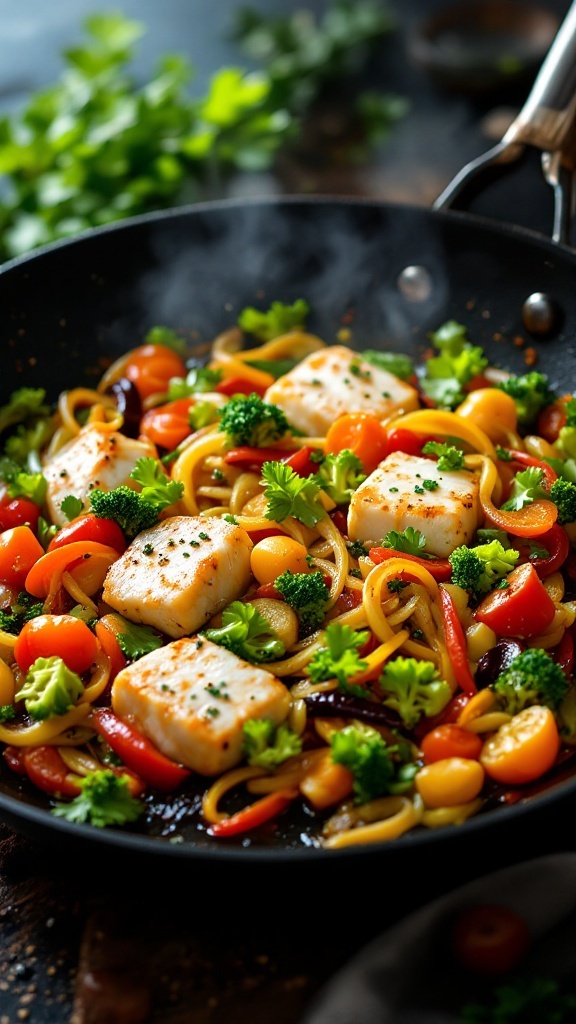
552 419
363 434
523 749
241 386
167 425
63 635
272 556
523 608
450 740
399 440
150 368
490 938
20 549
90 527
18 512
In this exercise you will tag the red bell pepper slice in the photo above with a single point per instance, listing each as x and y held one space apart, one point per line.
523 608
137 752
239 386
530 460
301 461
439 568
269 806
456 643
46 769
247 457
557 543
563 654
14 757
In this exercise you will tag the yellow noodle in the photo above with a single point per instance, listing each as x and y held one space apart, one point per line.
440 817
189 463
76 592
223 785
46 731
401 813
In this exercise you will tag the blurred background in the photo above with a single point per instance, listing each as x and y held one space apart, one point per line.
108 111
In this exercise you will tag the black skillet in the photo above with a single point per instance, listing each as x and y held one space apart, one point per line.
67 306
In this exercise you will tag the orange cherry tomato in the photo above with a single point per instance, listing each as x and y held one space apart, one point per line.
523 608
63 635
450 740
167 425
20 549
150 368
490 938
523 749
363 434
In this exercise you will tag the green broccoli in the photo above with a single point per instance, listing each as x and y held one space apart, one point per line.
307 594
449 456
289 494
246 632
533 677
376 766
531 393
201 414
446 375
526 488
27 440
23 405
161 335
199 380
23 609
23 483
50 688
249 420
267 745
7 712
563 494
397 363
135 511
480 568
414 689
340 474
339 659
105 800
524 1000
277 320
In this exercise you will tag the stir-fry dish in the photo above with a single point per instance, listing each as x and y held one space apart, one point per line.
292 574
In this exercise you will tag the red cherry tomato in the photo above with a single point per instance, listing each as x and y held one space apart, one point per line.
400 440
62 635
490 939
18 512
150 368
450 740
90 527
523 608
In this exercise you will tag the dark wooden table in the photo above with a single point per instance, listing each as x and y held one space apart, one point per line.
94 939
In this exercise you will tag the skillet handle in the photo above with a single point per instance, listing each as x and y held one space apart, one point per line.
547 121
548 118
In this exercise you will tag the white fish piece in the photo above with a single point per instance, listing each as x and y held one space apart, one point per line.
175 576
192 697
95 459
336 380
395 496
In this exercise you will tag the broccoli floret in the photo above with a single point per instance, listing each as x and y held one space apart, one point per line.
249 420
167 337
23 483
340 474
201 414
7 712
376 766
23 404
51 688
563 494
480 568
397 363
246 632
27 441
339 659
266 745
23 609
199 380
279 319
523 1000
531 393
126 507
446 375
533 677
105 800
526 488
449 456
307 594
289 494
414 689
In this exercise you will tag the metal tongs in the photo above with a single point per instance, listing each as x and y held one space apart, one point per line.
547 122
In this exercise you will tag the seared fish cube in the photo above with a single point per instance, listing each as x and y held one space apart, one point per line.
334 381
191 698
406 490
95 459
177 575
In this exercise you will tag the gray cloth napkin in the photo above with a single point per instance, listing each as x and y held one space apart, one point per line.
407 976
